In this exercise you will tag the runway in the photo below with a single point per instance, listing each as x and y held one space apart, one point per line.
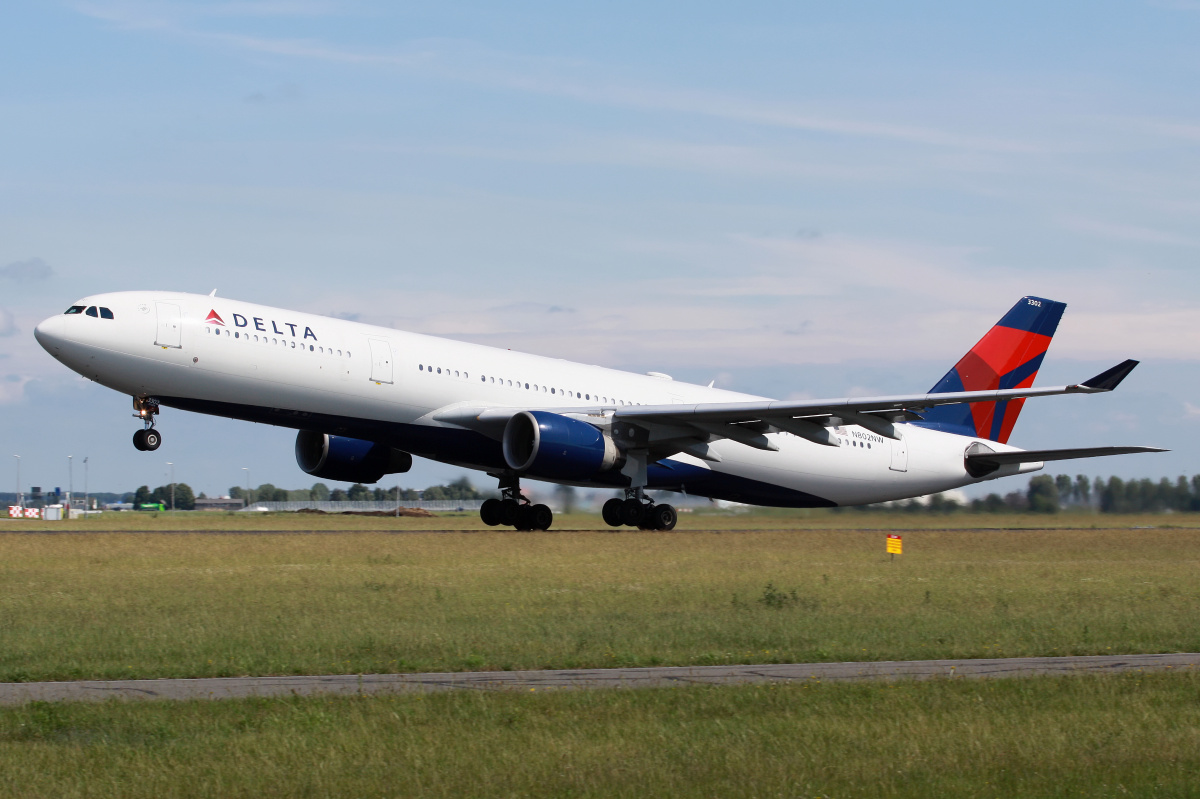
574 679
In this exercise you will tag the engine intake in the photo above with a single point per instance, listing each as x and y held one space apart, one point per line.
349 460
540 443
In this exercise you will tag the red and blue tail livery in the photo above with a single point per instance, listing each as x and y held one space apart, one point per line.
1009 356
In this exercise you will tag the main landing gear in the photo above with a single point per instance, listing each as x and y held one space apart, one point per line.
147 439
638 510
513 510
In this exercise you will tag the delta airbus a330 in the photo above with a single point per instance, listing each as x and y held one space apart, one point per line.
366 399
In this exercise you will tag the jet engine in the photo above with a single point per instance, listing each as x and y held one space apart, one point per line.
543 444
349 460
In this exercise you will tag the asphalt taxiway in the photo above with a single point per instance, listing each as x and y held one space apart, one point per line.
559 680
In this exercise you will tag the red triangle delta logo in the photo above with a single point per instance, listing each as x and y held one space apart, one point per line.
214 318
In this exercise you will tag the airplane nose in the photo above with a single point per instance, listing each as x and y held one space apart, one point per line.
49 333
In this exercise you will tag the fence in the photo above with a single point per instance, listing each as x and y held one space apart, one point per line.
444 505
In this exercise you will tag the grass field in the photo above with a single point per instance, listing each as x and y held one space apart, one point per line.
362 594
111 605
1114 736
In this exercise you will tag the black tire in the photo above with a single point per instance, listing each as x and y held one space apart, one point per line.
508 512
524 520
152 439
611 512
139 440
663 517
542 517
489 512
631 512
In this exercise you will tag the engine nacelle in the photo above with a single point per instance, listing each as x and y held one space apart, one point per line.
349 460
544 444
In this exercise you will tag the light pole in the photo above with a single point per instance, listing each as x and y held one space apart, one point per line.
20 500
86 498
246 469
172 486
70 482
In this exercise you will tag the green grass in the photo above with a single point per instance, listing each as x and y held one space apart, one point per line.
1112 736
112 605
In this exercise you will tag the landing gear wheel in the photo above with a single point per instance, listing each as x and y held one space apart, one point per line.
542 517
524 522
151 439
661 517
508 512
490 512
611 512
139 440
631 512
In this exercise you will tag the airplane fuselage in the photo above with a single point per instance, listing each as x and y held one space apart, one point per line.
343 378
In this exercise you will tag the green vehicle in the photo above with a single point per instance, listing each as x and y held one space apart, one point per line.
152 506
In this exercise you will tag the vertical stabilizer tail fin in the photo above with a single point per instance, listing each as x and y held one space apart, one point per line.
1008 356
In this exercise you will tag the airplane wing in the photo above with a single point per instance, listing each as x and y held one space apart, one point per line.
749 422
668 429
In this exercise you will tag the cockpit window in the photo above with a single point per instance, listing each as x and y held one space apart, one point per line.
105 313
91 311
75 309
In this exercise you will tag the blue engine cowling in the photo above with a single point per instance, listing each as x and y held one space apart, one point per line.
350 460
544 444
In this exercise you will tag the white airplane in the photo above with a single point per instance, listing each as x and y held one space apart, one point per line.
366 399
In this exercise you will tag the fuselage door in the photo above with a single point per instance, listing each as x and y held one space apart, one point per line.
168 325
899 455
381 361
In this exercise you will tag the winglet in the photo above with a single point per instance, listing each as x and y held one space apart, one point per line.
1108 380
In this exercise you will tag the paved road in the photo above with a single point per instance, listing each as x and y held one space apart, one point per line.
350 684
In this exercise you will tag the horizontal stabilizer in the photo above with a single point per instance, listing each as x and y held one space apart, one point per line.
980 464
1108 380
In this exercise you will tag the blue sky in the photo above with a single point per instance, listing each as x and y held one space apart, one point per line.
800 199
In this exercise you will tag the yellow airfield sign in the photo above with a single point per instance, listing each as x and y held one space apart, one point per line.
895 545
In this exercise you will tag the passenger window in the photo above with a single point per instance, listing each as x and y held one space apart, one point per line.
92 311
105 313
75 309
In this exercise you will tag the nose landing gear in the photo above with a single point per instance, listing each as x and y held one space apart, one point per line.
147 439
638 510
513 510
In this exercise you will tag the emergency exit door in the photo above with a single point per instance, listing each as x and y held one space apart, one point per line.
381 361
168 325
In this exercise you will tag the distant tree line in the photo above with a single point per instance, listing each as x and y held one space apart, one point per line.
184 499
1053 493
459 489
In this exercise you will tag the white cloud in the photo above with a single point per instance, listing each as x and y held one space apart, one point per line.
12 388
1115 231
463 61
8 325
31 270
